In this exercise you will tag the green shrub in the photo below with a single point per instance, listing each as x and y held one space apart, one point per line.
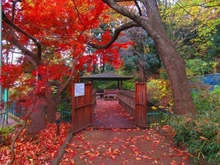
163 74
198 67
64 105
201 133
105 85
216 90
5 135
128 85
159 92
206 101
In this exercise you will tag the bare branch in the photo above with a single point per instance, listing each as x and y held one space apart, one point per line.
34 102
123 11
78 14
209 6
13 8
10 23
124 0
136 3
139 9
115 36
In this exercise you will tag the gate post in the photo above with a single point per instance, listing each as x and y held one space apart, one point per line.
73 108
81 106
141 104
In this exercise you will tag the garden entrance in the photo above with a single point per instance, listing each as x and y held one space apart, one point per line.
83 105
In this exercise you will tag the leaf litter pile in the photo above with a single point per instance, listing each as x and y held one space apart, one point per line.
100 146
35 149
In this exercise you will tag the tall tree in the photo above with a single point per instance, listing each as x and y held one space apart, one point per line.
190 25
102 33
140 59
51 36
148 17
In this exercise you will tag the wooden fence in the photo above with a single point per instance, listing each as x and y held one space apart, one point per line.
93 99
82 108
126 99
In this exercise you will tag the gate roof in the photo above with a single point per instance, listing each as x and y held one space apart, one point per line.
107 76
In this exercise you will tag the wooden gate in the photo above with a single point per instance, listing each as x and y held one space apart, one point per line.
140 104
81 107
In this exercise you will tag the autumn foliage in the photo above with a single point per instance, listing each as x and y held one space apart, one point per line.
52 40
62 28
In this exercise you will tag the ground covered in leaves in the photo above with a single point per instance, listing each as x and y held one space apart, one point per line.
109 141
123 146
35 149
109 114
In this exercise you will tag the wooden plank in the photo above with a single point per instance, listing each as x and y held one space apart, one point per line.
82 109
127 100
140 104
110 94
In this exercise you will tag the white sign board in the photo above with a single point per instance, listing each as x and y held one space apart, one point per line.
79 89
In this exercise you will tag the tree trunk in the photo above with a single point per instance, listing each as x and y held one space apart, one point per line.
148 17
143 73
174 64
175 67
52 103
51 111
152 23
37 117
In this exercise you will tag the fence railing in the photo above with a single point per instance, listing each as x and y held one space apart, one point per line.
16 110
93 99
155 114
127 100
66 115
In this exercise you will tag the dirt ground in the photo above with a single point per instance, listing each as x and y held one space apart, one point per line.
114 140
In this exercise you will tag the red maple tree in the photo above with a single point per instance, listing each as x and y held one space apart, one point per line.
52 37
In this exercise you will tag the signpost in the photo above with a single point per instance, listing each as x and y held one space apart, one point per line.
79 89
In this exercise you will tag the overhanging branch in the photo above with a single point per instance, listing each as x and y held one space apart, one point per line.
115 36
10 23
124 0
138 7
123 11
